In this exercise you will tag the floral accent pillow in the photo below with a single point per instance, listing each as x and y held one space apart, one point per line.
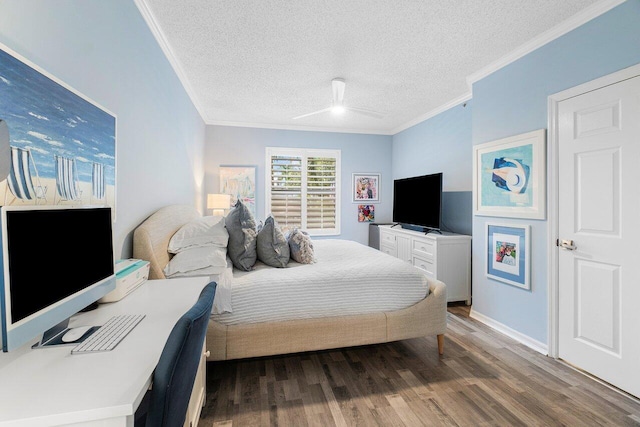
301 247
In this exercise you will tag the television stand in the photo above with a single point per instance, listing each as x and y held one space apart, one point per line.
442 256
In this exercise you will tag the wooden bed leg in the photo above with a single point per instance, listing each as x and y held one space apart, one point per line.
441 344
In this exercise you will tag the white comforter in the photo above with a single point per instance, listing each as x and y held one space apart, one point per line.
348 278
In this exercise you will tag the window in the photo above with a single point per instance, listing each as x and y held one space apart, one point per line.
303 189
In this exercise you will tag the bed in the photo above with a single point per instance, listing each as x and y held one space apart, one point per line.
352 295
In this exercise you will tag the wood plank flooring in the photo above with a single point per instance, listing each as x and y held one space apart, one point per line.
483 379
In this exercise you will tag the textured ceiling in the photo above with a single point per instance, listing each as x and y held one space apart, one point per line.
261 63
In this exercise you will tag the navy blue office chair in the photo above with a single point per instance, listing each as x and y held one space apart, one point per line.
166 404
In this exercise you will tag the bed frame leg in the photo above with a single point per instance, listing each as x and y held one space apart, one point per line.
441 344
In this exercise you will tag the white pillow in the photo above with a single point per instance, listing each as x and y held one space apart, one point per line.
208 271
207 230
197 261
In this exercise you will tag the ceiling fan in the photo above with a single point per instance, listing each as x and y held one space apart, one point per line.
337 105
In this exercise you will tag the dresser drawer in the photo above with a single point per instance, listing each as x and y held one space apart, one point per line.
389 249
388 239
426 265
424 248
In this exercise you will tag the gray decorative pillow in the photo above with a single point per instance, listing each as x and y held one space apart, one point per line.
272 246
242 237
301 247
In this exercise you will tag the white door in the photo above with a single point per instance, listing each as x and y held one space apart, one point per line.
599 222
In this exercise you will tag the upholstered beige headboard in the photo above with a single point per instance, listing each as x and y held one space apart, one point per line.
151 238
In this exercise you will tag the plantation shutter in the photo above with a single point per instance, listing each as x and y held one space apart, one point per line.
286 191
303 189
321 193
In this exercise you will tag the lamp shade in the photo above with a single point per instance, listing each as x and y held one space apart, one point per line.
218 202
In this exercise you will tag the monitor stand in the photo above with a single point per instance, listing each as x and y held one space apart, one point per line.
90 307
53 337
432 230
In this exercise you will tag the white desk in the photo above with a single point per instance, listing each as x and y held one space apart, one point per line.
51 387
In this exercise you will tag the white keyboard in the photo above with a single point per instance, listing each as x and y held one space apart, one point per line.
109 335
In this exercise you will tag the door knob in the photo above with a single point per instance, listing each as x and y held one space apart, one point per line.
567 244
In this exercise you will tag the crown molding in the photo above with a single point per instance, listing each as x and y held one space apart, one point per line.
559 30
444 107
300 128
152 23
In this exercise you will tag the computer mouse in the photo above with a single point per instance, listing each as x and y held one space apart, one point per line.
75 334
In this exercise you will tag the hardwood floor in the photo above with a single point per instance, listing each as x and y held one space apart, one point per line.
483 379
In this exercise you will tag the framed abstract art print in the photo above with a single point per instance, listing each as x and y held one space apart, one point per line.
366 187
240 183
508 254
509 177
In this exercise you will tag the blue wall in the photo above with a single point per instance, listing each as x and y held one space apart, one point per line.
513 100
359 153
105 50
441 143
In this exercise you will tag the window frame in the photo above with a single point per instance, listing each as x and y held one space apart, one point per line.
304 154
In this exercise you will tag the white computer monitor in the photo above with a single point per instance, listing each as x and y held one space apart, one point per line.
56 261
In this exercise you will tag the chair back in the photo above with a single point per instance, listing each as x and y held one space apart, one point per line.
97 180
19 179
66 178
175 373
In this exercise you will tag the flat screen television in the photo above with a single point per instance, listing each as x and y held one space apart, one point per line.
56 261
417 202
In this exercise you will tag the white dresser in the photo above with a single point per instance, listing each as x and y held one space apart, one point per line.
445 257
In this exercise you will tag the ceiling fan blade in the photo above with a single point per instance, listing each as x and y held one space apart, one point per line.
365 112
338 90
311 114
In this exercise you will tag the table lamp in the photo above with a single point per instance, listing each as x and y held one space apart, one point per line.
219 203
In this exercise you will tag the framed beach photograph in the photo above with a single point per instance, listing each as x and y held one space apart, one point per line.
365 187
366 213
240 183
509 177
508 254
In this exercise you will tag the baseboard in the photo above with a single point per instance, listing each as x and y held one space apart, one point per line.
511 333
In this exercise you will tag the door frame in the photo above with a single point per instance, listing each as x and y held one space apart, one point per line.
553 171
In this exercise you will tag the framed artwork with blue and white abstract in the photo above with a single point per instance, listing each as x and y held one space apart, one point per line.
58 147
240 183
510 176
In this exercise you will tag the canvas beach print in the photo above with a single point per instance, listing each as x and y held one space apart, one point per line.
240 183
61 145
509 177
508 254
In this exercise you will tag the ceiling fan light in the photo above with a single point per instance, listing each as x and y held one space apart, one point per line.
338 109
